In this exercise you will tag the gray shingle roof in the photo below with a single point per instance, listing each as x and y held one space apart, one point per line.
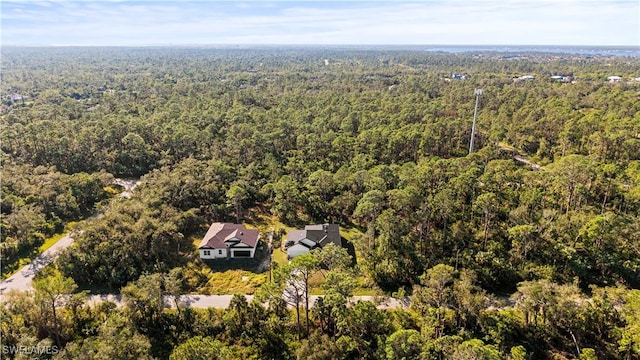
321 234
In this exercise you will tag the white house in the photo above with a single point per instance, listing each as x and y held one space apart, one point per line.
226 240
614 79
525 78
313 236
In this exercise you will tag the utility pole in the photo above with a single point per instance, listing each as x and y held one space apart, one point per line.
477 93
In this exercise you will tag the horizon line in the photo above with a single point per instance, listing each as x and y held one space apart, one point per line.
313 45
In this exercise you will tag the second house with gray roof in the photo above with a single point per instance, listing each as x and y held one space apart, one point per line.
313 236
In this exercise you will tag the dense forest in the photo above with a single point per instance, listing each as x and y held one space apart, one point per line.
527 248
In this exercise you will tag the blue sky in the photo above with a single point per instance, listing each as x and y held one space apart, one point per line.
456 22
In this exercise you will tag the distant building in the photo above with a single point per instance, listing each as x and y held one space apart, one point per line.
525 78
614 79
562 78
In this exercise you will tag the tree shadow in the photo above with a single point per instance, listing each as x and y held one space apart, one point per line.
350 249
40 263
187 300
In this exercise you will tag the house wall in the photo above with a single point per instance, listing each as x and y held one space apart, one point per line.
296 250
214 253
251 250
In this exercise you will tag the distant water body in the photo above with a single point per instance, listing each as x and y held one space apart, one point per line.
618 51
575 50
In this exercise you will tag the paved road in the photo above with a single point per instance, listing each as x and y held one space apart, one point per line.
222 301
21 280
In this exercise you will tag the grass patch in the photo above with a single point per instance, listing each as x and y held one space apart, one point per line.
196 242
232 282
364 287
50 242
8 269
368 292
316 281
280 257
350 233
367 287
507 147
113 189
72 225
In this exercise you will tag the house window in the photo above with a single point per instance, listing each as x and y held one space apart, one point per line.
207 253
219 252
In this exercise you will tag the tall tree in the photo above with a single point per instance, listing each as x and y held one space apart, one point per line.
368 209
303 267
236 194
52 292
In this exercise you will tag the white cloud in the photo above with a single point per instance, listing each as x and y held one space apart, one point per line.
579 22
